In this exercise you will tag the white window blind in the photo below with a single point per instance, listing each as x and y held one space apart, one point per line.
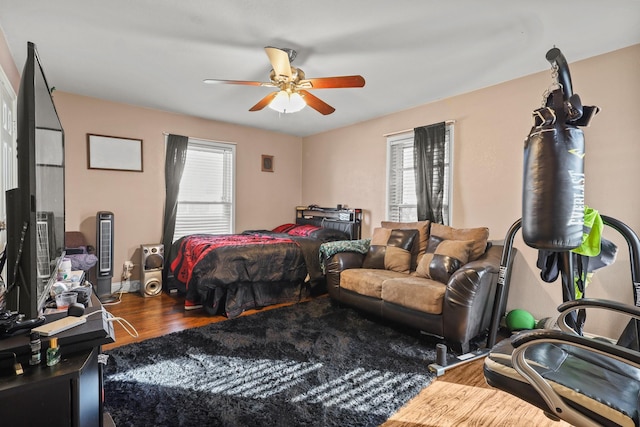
402 201
206 196
401 179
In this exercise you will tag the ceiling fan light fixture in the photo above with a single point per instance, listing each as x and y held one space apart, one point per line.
284 102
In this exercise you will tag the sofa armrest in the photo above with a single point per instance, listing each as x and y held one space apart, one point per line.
338 263
468 300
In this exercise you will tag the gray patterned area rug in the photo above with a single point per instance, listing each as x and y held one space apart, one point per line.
310 364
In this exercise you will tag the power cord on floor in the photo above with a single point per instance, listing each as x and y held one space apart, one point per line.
118 298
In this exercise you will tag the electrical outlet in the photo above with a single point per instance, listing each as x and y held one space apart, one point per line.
126 270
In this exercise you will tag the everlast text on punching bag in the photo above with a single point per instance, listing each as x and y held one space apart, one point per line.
553 196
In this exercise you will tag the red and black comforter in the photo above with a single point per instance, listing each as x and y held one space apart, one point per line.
232 273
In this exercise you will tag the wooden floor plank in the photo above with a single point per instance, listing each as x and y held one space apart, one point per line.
460 397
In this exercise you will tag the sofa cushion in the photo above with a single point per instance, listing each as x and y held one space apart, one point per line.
416 293
390 250
367 281
449 256
479 235
420 244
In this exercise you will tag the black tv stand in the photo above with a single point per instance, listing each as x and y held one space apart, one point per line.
66 394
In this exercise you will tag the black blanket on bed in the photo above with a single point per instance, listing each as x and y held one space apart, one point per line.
233 273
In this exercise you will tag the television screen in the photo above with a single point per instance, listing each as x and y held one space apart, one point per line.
35 210
49 207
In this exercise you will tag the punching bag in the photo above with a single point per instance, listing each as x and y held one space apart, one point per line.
553 189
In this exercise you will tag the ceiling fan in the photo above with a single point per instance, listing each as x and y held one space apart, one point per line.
293 87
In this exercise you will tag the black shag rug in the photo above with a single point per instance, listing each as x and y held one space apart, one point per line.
310 364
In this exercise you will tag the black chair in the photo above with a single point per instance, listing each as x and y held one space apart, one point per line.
585 381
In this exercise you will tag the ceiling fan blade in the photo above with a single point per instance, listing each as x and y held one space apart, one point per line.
279 61
333 82
237 82
316 103
264 102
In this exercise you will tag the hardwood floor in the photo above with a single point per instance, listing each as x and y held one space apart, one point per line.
460 397
157 316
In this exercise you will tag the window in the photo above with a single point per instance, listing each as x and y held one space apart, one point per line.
207 189
401 179
8 168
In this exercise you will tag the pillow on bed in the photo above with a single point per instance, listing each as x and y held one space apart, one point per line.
390 250
303 230
284 228
479 235
448 257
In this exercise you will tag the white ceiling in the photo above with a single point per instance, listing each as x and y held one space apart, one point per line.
155 53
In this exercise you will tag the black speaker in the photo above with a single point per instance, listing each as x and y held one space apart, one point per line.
151 264
104 249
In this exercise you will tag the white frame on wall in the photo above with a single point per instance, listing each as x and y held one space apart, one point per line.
114 153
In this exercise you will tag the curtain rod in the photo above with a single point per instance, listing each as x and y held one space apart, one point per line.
398 132
204 139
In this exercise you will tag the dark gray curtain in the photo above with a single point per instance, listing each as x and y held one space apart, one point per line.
429 152
175 159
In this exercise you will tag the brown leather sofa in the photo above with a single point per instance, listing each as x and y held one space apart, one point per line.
453 299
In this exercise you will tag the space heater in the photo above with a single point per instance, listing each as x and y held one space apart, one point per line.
104 249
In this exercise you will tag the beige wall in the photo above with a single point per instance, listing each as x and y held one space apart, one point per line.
263 200
490 127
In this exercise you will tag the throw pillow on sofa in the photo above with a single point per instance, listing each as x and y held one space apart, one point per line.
420 243
390 250
448 257
479 235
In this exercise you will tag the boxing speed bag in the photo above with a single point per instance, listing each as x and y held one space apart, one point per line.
553 190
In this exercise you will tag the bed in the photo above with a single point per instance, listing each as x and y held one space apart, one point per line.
228 274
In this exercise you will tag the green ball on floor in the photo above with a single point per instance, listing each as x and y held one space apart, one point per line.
519 319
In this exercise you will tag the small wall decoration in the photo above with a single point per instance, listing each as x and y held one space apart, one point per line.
267 163
114 153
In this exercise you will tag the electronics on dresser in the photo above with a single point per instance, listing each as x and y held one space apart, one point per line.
151 263
104 249
75 317
12 323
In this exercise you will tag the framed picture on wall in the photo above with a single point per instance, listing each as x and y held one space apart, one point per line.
267 163
114 153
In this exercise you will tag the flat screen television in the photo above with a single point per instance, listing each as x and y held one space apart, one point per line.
35 209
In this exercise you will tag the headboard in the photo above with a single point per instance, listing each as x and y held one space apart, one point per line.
343 219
